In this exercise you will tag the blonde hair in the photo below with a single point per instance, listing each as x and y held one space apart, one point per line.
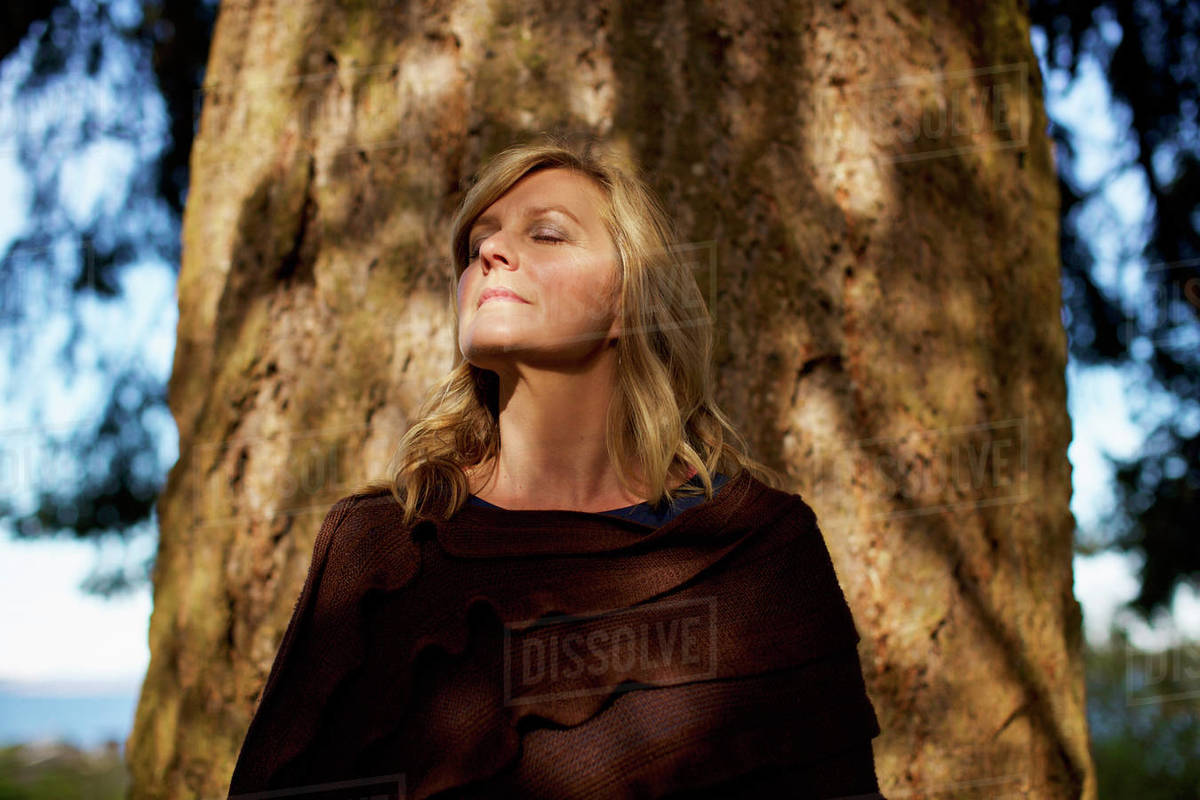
663 417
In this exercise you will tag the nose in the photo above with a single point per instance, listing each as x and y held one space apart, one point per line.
493 251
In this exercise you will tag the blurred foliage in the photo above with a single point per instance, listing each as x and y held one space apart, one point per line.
127 75
1150 56
1144 716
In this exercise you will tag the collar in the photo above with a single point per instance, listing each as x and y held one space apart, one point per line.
492 532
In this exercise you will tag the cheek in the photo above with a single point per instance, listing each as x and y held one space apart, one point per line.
464 287
590 304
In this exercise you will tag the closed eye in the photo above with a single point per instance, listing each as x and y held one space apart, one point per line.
537 237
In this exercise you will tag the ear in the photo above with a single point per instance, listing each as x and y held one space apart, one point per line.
615 329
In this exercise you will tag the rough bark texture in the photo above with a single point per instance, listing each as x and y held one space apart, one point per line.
878 198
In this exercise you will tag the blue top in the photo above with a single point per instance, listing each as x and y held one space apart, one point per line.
644 512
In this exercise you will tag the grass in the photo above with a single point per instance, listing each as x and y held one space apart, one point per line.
60 771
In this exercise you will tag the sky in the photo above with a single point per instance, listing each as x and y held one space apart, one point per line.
57 641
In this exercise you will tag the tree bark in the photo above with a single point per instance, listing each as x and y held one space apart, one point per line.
872 198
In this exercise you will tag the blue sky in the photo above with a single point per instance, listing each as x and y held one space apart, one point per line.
57 640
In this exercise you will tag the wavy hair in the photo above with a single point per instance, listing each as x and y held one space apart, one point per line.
663 418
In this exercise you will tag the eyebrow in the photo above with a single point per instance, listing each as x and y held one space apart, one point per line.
532 211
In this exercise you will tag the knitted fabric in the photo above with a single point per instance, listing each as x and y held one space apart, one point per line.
569 654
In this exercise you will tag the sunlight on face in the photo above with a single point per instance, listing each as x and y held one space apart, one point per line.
544 241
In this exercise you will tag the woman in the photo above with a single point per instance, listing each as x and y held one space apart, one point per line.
617 602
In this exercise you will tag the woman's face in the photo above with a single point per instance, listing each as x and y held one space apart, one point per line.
545 241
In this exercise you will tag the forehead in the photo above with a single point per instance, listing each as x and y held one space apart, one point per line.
555 186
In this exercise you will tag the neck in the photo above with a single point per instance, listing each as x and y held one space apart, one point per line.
553 452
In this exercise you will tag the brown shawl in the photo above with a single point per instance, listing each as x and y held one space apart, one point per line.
567 654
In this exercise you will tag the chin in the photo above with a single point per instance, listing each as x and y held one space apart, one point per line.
488 355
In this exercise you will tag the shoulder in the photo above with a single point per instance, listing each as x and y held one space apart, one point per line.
770 505
362 512
787 516
363 540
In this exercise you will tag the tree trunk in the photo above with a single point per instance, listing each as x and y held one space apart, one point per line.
873 199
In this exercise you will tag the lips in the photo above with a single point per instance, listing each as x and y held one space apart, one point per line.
499 291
